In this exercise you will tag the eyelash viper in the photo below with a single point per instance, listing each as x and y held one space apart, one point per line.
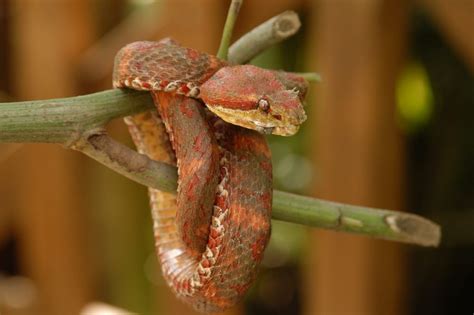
211 236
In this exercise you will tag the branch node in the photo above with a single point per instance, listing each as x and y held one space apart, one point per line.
354 223
392 223
77 138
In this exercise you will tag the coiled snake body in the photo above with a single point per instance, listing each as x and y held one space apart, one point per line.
210 237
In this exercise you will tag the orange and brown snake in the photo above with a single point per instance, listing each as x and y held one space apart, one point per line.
211 236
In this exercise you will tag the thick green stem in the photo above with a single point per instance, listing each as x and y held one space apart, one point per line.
385 224
63 120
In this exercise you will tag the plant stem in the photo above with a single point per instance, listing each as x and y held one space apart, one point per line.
310 76
385 224
261 37
84 115
232 14
63 120
127 162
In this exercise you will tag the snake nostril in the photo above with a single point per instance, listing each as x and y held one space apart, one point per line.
277 116
301 117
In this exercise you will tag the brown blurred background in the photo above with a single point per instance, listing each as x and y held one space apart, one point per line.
391 126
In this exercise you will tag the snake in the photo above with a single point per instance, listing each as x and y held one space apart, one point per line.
210 121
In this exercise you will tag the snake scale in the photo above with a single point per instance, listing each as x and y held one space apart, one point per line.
211 236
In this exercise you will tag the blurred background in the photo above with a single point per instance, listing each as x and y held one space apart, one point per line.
390 126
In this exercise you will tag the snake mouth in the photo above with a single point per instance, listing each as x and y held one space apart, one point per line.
248 119
285 131
278 130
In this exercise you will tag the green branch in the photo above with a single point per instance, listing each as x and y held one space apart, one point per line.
269 33
77 123
232 14
64 120
379 223
310 76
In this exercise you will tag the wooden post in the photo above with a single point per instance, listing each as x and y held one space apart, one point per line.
5 149
358 152
46 38
455 20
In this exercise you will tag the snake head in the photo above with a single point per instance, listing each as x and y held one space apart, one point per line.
264 100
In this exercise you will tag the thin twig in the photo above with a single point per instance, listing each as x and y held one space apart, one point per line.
310 76
77 122
125 161
232 14
266 34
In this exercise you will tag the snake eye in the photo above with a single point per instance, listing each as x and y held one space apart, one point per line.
264 105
